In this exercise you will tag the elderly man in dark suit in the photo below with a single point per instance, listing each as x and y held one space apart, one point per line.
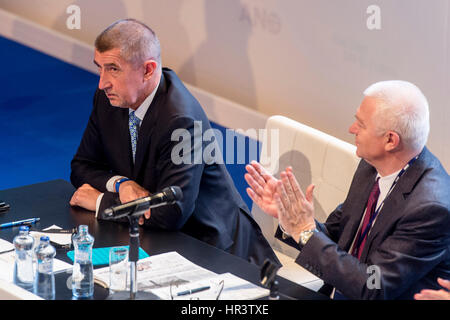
391 237
127 150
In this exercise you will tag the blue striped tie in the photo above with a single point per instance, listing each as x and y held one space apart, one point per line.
133 123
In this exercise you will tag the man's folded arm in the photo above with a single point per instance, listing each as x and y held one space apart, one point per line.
186 175
107 200
412 251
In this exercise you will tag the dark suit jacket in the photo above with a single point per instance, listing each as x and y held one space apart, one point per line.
409 241
211 210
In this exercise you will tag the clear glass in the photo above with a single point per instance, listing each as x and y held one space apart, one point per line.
118 269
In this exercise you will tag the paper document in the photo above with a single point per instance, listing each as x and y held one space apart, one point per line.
224 286
163 273
160 271
63 239
5 246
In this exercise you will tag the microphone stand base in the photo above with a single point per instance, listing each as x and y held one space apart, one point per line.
125 295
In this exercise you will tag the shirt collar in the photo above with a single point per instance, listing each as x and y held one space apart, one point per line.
386 182
141 111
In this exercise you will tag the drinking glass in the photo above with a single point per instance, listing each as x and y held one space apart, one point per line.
118 269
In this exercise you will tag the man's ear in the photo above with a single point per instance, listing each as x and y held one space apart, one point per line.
392 141
149 69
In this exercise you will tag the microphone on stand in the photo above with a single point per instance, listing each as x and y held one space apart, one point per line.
133 210
137 207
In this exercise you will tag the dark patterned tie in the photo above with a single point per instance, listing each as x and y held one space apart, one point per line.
356 252
371 205
133 123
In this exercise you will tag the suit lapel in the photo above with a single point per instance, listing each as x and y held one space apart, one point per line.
394 203
147 125
357 203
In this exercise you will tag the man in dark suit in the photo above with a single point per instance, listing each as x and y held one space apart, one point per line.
129 150
390 238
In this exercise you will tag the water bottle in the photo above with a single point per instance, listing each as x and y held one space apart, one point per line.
83 271
23 265
44 282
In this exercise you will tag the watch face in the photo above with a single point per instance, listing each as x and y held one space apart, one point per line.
305 235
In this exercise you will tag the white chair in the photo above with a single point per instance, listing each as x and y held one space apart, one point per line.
317 158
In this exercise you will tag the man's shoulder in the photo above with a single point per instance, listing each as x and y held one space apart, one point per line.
178 100
433 171
171 80
428 182
431 162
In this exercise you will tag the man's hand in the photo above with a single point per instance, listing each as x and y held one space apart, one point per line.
295 210
85 197
262 188
443 294
129 191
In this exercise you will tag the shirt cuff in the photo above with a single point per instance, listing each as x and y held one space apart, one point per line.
97 204
110 183
285 234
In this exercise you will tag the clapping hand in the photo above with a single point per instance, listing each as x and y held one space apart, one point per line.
295 209
262 188
428 294
282 199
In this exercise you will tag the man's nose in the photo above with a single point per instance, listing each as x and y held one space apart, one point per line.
352 128
103 82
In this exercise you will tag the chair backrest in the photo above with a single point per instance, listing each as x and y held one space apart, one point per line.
9 291
315 157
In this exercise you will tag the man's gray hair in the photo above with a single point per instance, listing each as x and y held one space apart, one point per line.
137 42
404 109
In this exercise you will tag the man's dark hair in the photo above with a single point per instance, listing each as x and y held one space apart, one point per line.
137 42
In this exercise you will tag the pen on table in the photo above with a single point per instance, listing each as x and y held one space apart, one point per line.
4 206
191 291
19 223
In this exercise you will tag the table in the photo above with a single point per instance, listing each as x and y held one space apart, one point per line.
50 202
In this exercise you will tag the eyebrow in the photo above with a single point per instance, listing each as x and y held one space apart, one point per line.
106 64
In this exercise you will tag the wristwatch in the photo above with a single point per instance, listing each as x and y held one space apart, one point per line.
305 235
284 234
118 182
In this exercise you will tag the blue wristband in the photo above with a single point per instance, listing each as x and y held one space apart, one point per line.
117 185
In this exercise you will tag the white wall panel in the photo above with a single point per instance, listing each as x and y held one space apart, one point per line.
308 60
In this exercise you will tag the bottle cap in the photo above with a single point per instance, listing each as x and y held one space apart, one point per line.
24 228
45 238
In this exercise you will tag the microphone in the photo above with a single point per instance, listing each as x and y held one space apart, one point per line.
137 207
